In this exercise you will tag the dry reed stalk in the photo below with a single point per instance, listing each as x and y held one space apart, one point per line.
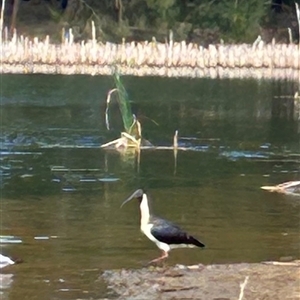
298 18
2 19
82 53
144 58
94 33
175 140
70 37
169 49
94 44
290 35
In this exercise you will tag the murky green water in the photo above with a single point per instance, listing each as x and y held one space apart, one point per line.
61 194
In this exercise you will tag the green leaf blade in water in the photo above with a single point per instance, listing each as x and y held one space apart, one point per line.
124 104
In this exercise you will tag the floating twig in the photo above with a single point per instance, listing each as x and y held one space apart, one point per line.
280 263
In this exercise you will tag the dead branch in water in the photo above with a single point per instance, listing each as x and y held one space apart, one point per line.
290 187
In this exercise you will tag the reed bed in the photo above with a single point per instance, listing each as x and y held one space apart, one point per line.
259 60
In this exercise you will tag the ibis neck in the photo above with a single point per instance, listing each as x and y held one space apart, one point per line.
145 211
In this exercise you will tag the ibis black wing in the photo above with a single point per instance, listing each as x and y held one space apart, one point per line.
169 233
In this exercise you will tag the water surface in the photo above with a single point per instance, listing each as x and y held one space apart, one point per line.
61 193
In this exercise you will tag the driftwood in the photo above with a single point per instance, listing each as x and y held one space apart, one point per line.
290 187
242 286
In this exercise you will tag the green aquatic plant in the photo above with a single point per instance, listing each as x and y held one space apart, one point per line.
124 103
132 135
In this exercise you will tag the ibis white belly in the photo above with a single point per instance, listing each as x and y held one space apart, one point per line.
146 229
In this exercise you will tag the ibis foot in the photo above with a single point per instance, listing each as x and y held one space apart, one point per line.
159 259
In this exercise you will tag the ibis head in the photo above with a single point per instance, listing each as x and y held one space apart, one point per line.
138 194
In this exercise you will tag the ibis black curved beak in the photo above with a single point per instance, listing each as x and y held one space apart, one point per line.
137 194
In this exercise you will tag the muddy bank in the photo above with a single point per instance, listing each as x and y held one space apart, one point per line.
229 281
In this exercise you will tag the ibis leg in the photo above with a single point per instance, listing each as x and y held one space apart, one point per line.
163 256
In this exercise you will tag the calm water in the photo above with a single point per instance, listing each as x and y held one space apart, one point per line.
60 193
